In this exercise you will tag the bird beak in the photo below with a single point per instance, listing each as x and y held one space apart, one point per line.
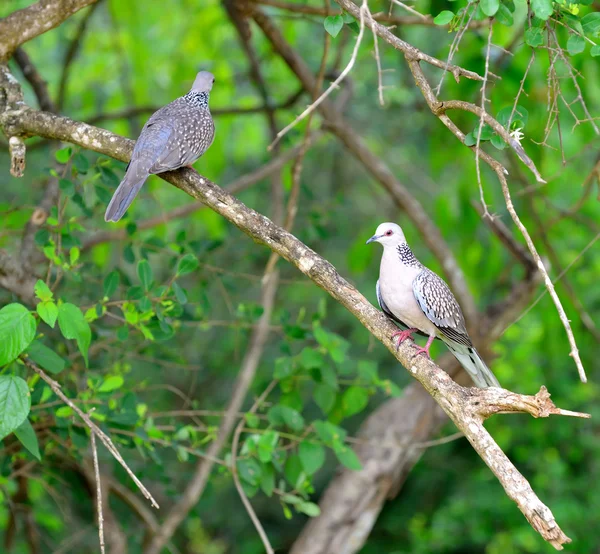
373 239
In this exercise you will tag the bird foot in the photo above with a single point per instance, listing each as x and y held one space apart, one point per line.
424 350
402 336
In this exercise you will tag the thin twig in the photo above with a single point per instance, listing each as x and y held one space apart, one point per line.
105 439
236 477
480 128
334 85
98 492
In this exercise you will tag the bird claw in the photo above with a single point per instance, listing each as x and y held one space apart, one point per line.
402 336
424 350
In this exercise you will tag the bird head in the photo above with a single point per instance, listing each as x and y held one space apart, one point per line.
204 82
388 234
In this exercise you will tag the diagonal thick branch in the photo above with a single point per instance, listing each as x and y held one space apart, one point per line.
467 407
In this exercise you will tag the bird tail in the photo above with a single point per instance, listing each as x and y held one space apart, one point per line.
124 195
470 359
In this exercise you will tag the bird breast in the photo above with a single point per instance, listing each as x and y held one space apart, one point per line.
396 287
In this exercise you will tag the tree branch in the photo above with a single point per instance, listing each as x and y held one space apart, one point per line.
376 167
23 25
466 407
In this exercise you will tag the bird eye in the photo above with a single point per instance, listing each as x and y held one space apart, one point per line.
388 233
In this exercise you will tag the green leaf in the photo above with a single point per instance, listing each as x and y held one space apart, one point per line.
354 400
266 445
81 163
595 51
28 438
324 397
253 420
534 36
333 24
48 312
591 23
42 291
67 186
283 368
17 330
542 8
267 480
575 44
292 418
111 383
311 358
64 411
489 7
348 457
293 471
74 326
111 283
308 508
62 156
249 471
15 403
179 294
443 18
329 433
519 117
312 456
504 16
470 139
45 357
498 142
187 264
144 272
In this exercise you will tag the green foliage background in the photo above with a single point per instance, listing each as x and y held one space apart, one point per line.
179 347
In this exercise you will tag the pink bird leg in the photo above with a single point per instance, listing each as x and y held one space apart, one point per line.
425 350
403 335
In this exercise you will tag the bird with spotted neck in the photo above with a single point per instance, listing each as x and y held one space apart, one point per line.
421 302
175 136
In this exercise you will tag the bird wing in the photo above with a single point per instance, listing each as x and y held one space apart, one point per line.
441 308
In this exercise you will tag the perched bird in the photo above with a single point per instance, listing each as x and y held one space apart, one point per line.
175 136
421 302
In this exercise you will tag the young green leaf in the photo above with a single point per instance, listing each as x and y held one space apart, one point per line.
42 291
333 24
28 438
62 156
74 326
17 330
15 403
595 51
48 312
443 18
45 357
113 382
312 456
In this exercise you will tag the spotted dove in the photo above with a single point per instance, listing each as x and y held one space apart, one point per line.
175 136
420 302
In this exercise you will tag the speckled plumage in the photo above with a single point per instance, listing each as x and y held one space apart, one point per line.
174 136
418 299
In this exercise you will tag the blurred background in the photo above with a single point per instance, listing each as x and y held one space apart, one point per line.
112 65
